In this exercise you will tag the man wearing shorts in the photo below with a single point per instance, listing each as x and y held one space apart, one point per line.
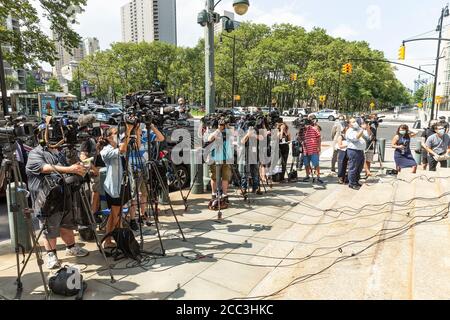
312 148
44 161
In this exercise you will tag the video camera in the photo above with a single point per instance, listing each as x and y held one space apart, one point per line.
16 128
373 122
149 107
302 122
212 120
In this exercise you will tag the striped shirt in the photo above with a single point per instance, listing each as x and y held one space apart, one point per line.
312 140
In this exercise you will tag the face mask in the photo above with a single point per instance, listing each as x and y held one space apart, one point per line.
402 133
355 125
441 132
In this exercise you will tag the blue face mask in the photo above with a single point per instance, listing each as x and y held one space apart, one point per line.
441 132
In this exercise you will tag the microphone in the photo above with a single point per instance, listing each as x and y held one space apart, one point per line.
86 120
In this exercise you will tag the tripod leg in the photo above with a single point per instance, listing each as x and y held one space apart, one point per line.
93 224
240 186
163 187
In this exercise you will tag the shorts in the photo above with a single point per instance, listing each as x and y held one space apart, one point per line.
142 187
95 184
314 159
57 221
369 155
225 172
117 202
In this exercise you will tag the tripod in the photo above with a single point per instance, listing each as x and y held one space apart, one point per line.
11 172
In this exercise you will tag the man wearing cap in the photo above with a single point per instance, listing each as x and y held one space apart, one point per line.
356 137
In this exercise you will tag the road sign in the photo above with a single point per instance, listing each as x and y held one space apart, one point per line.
85 83
420 105
237 98
372 105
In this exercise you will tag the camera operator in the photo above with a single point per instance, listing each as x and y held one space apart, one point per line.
91 149
428 132
312 145
438 146
46 160
138 170
117 195
356 137
371 142
183 109
221 157
253 168
284 137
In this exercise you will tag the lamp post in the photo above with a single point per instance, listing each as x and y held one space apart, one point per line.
444 13
208 18
3 84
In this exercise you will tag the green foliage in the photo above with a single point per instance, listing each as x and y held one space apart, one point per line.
265 58
30 44
11 82
419 95
53 85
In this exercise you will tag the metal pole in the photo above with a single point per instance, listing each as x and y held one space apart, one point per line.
338 91
209 60
3 84
233 89
441 20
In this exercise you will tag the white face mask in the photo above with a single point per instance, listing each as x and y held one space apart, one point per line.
355 125
441 132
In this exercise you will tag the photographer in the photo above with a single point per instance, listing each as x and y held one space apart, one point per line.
138 173
312 148
183 109
356 137
117 194
221 156
428 132
371 142
250 157
47 160
284 137
437 146
91 149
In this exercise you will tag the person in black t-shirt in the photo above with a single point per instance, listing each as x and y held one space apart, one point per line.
428 132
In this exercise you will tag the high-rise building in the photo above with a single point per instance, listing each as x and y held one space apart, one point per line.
91 45
19 74
149 20
443 78
65 57
219 27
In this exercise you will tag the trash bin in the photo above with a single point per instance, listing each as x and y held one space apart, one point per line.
23 234
197 171
382 148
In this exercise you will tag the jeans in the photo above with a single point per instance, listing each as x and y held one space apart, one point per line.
254 175
355 164
342 164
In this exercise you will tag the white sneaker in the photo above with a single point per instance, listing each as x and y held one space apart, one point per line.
52 261
76 251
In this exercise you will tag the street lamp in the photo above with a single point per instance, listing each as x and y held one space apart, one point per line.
241 6
208 18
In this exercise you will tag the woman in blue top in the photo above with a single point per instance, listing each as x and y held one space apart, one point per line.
402 145
113 156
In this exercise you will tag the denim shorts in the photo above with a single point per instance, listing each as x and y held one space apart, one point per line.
311 159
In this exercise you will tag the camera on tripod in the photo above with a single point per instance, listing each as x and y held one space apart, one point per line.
16 128
302 122
212 120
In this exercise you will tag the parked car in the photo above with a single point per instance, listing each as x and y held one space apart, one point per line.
329 114
295 112
107 115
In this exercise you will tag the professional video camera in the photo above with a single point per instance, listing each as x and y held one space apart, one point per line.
212 120
373 122
16 128
302 122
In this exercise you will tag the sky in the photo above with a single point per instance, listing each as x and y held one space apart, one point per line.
382 23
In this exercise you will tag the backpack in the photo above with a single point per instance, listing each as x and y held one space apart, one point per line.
127 246
59 284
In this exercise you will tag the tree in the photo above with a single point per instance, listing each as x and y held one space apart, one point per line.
30 44
53 85
11 82
31 83
419 95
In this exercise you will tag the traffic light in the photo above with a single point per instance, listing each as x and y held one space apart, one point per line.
347 68
323 98
294 77
402 52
